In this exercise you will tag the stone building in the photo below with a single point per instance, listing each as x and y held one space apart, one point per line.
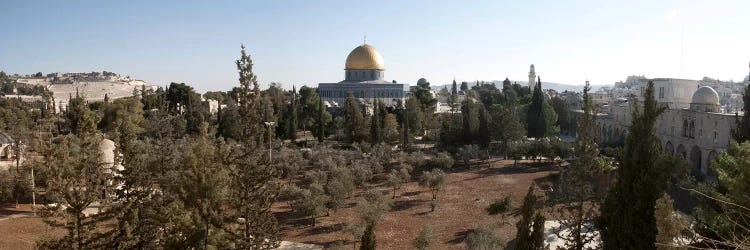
695 129
363 77
7 153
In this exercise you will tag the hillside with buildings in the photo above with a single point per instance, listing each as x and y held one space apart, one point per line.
95 86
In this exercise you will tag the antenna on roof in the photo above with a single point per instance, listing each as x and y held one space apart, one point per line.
364 41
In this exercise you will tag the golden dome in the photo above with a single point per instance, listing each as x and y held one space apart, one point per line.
364 57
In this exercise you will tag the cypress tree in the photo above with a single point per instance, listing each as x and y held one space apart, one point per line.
355 125
523 227
454 96
321 121
470 121
405 137
368 238
292 133
742 132
627 216
375 129
535 119
483 135
530 229
537 234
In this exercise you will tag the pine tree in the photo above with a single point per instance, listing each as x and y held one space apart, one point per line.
414 116
77 179
578 204
249 99
252 183
426 104
79 117
627 215
723 218
199 186
506 126
669 224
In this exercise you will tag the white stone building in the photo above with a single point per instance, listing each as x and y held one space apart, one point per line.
695 129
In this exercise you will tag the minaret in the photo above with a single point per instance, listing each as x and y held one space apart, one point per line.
532 77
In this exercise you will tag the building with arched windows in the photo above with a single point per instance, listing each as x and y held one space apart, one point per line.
364 78
695 129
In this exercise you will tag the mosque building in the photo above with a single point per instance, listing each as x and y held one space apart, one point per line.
364 78
693 126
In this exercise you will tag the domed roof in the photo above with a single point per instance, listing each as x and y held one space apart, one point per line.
706 95
364 57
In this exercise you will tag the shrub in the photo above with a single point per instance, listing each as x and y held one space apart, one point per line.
424 238
415 159
483 239
442 160
467 152
500 206
484 155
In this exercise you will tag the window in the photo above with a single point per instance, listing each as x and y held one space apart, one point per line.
685 128
692 129
661 92
716 136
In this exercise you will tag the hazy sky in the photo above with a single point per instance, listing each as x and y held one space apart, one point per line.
306 42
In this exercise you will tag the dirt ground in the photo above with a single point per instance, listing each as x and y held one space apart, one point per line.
19 228
460 209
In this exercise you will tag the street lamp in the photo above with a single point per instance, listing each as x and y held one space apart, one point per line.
269 124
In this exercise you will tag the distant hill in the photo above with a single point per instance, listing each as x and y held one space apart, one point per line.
559 87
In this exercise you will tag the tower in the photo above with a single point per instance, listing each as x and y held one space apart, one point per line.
532 77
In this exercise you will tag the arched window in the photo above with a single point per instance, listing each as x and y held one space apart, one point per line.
716 136
692 129
685 128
